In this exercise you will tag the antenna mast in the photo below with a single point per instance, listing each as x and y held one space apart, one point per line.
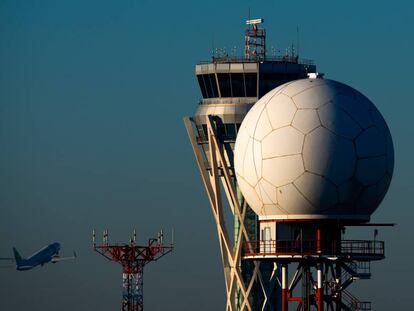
255 40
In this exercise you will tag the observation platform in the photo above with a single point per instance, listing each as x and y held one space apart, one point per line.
361 250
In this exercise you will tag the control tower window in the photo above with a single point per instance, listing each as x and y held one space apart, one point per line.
237 85
268 81
224 83
251 84
211 92
208 85
202 86
213 85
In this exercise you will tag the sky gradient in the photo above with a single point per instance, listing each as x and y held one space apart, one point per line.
92 95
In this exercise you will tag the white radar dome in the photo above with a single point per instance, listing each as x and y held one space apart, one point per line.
314 149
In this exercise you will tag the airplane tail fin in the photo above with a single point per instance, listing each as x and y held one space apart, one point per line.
17 256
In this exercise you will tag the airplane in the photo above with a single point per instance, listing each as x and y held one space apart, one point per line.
49 253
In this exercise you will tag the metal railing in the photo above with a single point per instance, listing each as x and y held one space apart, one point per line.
241 59
363 247
298 247
352 303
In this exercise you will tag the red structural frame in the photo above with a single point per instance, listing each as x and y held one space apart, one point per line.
133 259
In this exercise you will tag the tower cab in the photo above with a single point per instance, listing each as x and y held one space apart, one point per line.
230 85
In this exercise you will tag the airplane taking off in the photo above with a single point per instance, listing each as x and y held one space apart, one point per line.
49 253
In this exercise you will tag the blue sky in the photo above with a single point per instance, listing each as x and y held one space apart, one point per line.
92 95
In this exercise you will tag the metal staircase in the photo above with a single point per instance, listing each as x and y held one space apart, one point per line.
355 270
351 303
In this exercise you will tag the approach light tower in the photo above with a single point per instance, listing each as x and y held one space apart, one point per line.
133 259
230 86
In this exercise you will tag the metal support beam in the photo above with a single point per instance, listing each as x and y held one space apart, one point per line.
216 178
284 287
319 291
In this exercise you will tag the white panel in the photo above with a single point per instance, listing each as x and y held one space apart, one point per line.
250 195
258 192
254 115
211 110
368 200
250 67
318 190
315 97
204 68
269 95
306 120
358 112
273 209
201 110
249 167
240 151
282 142
378 120
338 121
292 201
229 110
219 110
263 126
341 164
198 69
268 192
362 100
280 110
349 191
293 88
369 171
317 150
257 157
283 170
236 67
382 187
222 67
371 143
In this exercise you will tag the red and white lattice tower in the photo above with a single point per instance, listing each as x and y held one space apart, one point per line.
133 259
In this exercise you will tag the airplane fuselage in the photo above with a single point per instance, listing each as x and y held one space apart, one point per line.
41 257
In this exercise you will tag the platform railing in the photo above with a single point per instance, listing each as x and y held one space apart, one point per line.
225 58
303 247
362 247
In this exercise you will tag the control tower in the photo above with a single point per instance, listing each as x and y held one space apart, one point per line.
230 85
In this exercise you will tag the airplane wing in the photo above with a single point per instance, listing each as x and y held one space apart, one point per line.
8 266
7 259
57 258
